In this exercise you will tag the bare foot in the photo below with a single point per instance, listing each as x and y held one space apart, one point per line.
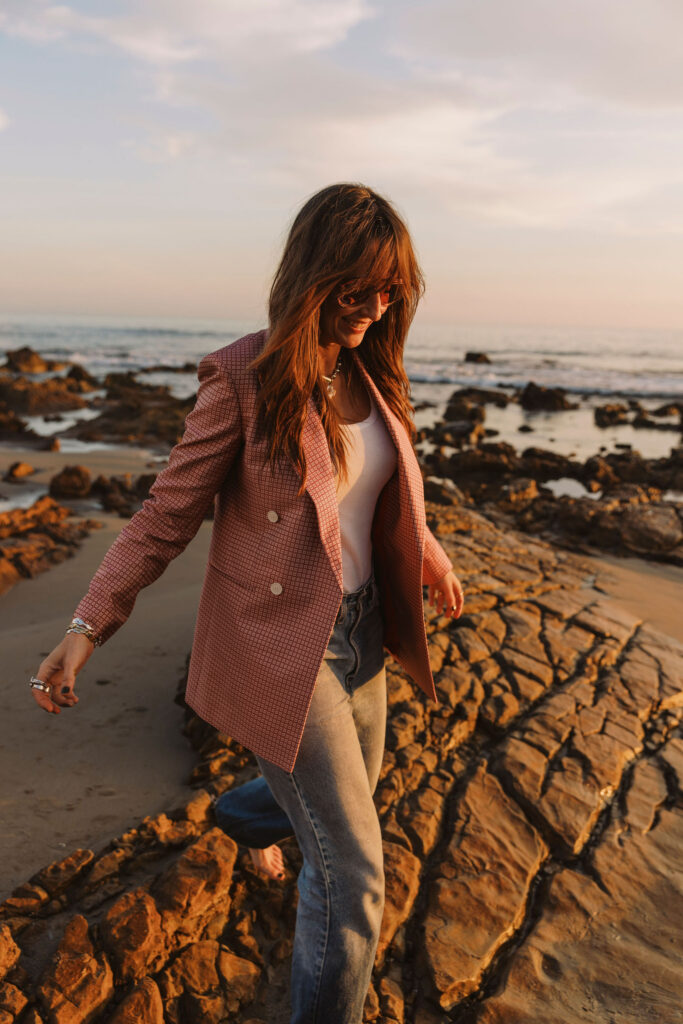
269 861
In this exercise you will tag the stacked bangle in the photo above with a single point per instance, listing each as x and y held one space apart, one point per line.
80 626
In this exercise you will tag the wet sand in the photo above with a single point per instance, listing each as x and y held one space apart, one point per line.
650 589
81 777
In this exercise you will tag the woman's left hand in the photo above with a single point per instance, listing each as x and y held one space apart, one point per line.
449 595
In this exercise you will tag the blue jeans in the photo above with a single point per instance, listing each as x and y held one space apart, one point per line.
326 802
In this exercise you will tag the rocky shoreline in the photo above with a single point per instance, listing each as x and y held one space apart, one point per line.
628 504
532 819
627 508
33 540
532 822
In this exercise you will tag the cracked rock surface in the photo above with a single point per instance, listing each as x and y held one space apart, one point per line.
532 826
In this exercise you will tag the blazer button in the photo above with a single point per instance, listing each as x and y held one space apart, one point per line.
273 516
276 588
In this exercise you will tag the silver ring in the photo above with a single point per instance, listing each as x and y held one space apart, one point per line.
38 684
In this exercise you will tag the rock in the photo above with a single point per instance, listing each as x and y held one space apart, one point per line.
481 396
18 470
391 999
34 398
187 367
598 468
443 491
651 529
422 819
193 970
33 539
12 426
461 407
569 791
25 360
645 796
143 1003
136 415
457 433
9 951
541 464
607 943
530 819
470 645
86 380
480 894
12 1002
59 876
196 886
610 414
521 490
131 933
71 482
77 984
535 397
241 978
476 357
122 494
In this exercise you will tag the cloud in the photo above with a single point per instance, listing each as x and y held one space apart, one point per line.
4 120
526 114
166 32
470 149
623 51
163 147
34 20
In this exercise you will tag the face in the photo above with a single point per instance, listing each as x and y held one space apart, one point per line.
346 324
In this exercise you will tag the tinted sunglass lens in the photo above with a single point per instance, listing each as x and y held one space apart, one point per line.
352 299
389 295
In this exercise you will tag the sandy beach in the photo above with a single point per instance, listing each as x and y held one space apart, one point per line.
79 778
648 589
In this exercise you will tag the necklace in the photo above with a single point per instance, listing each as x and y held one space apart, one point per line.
331 390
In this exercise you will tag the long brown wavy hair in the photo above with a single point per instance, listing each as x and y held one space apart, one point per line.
343 233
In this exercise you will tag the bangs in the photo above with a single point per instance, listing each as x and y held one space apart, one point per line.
379 263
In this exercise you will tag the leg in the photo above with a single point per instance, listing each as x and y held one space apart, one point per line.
250 815
328 799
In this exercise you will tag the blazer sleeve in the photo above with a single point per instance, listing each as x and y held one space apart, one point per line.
435 561
178 501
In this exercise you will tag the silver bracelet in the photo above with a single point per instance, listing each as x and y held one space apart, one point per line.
81 626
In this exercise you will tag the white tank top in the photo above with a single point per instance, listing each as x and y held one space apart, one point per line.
371 459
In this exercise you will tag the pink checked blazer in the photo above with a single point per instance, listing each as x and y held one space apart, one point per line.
273 582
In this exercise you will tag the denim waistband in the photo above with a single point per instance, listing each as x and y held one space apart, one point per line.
350 600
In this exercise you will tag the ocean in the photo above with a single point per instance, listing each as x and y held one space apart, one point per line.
634 363
592 365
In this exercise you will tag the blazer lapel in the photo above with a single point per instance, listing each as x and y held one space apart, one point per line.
321 485
410 484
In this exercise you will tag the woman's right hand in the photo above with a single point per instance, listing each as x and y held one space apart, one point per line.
59 671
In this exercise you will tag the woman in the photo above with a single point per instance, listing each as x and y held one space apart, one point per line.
301 436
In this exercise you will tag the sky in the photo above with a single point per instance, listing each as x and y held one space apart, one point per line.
154 152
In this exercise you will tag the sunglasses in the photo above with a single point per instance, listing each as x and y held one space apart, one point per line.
351 298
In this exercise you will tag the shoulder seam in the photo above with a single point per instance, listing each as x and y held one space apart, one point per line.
226 373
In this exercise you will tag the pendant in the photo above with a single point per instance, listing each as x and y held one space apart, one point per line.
331 390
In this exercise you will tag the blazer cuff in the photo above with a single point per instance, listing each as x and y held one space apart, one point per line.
435 561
